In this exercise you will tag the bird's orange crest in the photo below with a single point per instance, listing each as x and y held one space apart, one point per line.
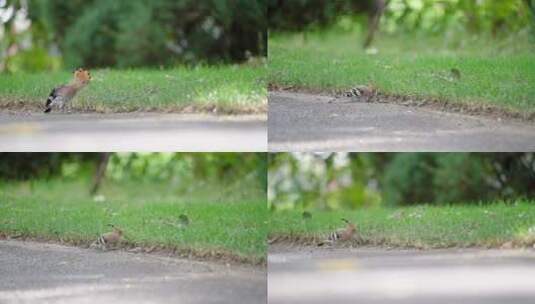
82 76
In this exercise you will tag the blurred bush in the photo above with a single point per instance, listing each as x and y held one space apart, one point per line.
321 180
341 180
32 60
24 166
158 32
490 16
133 33
194 166
178 168
297 15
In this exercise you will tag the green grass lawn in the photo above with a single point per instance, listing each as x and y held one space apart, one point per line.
500 73
229 223
229 89
424 226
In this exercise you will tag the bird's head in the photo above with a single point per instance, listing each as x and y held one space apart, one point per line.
350 225
119 231
82 76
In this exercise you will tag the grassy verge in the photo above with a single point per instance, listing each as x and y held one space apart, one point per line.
226 89
230 228
493 73
422 227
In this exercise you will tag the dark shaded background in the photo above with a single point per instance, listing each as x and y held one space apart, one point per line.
133 33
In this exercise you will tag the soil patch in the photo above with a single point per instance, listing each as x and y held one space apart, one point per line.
313 241
27 106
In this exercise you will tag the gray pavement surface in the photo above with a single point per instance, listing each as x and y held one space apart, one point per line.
304 122
372 275
132 132
47 273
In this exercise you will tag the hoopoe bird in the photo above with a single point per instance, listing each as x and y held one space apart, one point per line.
108 239
361 93
341 235
63 94
357 94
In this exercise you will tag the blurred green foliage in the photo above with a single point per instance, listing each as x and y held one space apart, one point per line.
341 180
173 168
491 16
23 166
33 60
188 166
321 180
413 178
157 32
133 33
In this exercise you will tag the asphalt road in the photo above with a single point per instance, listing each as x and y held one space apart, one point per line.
302 122
368 275
132 132
46 273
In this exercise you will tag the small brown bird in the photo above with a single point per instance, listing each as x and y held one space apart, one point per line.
61 95
342 235
361 93
108 239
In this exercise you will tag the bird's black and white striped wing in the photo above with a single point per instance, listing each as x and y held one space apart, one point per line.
100 243
354 92
52 97
333 236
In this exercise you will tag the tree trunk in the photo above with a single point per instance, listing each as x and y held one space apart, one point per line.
374 16
101 172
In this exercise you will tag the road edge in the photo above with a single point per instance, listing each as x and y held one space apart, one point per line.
475 109
222 257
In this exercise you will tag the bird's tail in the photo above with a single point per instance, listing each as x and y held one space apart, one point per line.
48 109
